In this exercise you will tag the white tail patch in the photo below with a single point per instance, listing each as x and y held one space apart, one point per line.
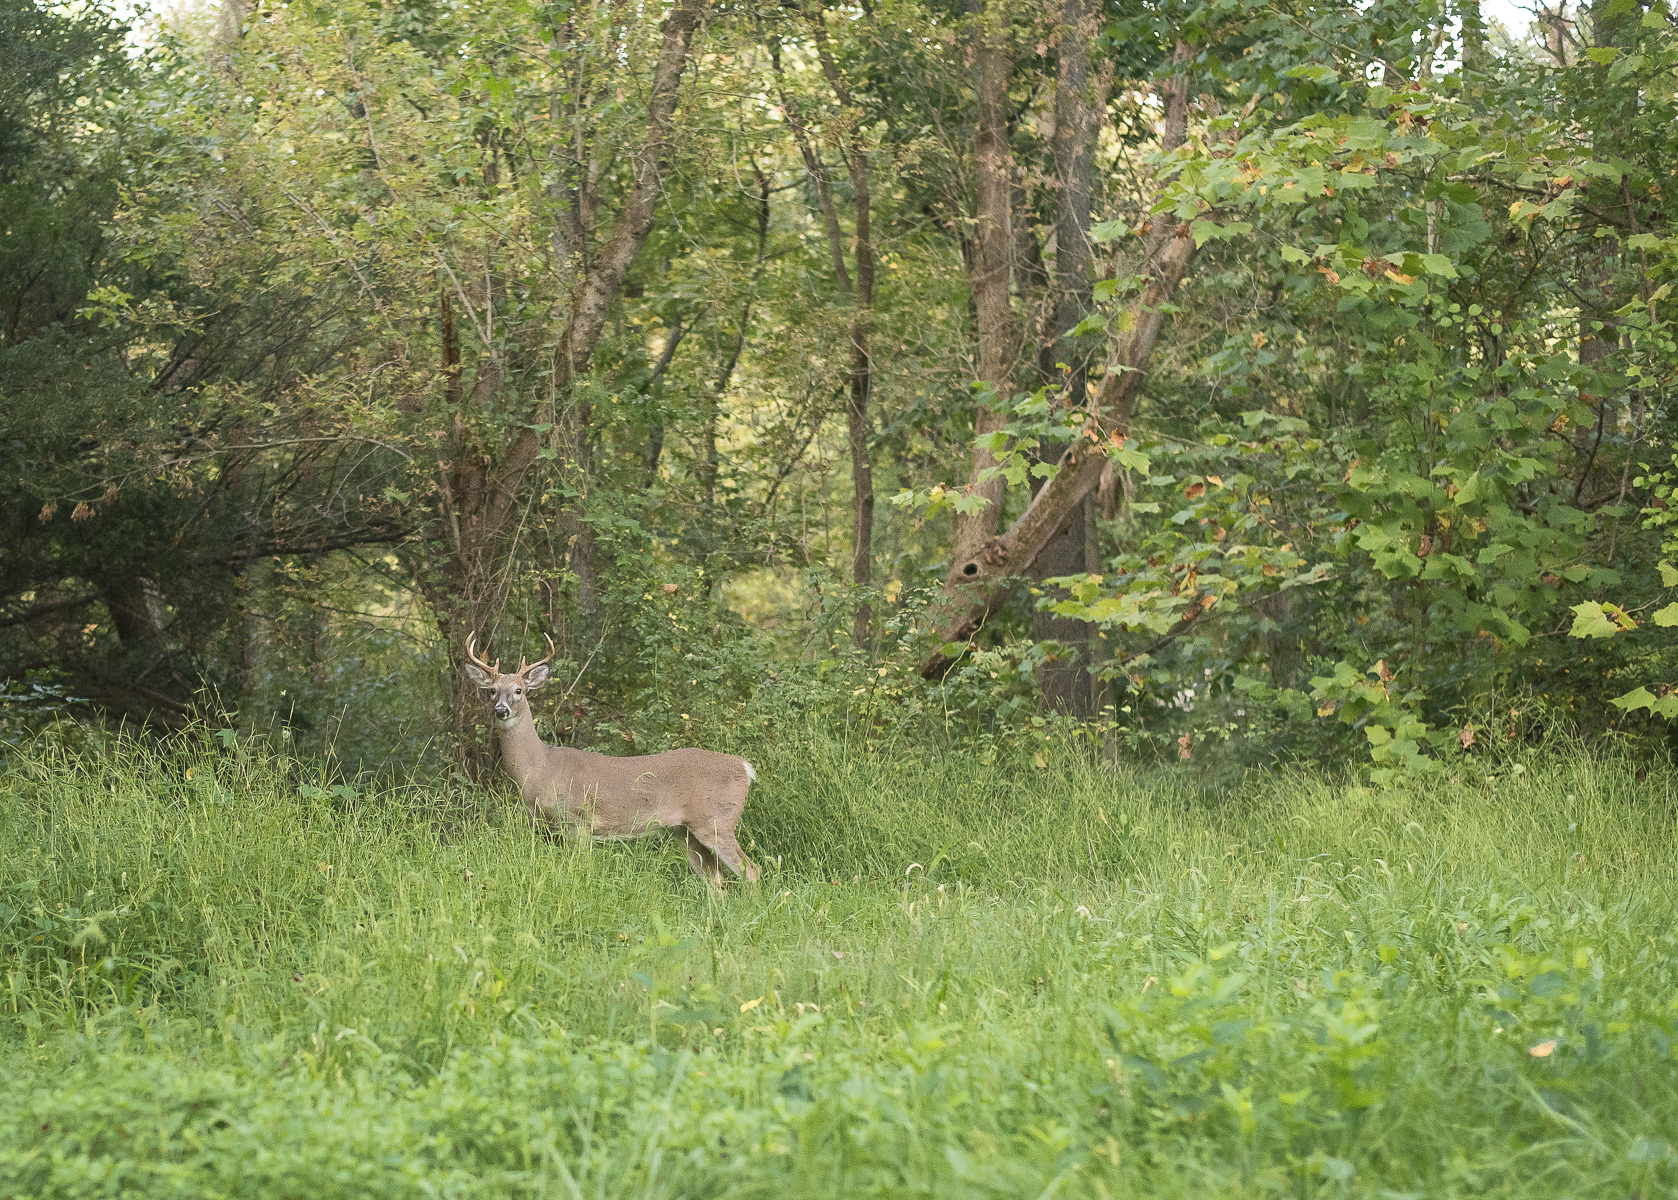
750 774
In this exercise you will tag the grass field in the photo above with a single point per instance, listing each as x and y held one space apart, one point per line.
224 978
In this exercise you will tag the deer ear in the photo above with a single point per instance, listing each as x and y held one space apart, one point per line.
535 677
479 677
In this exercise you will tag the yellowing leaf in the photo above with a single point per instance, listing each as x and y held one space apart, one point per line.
751 1004
1543 1049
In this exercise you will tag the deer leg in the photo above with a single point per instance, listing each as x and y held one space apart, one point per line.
723 844
703 861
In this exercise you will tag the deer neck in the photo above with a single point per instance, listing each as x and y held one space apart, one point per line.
521 749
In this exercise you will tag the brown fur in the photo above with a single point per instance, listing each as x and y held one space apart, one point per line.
700 792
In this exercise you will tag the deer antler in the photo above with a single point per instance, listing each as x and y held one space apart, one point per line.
540 661
476 661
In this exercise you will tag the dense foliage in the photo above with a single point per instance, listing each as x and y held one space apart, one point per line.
1248 381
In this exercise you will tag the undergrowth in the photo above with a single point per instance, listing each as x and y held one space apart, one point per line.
227 976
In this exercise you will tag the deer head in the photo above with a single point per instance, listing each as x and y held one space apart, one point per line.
510 693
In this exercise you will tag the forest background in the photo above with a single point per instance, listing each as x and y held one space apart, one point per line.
1216 383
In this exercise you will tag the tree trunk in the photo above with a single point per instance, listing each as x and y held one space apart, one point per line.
252 625
1063 680
992 276
1099 689
140 685
1611 27
577 434
1080 108
137 613
1473 34
862 470
976 586
655 390
1080 103
708 461
860 300
862 368
229 31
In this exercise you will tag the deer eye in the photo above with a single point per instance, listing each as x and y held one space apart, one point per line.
518 691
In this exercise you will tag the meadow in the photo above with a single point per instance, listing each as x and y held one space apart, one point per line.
226 975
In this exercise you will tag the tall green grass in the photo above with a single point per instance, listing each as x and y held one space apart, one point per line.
224 976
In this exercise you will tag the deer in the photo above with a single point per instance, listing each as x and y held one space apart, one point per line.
698 792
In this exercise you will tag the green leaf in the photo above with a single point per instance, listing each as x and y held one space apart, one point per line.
1438 264
1626 66
1209 231
1661 706
1315 72
1134 459
1669 575
1109 231
1591 621
1667 617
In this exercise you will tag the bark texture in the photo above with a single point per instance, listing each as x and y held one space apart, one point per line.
1612 26
229 31
992 272
1473 34
1080 104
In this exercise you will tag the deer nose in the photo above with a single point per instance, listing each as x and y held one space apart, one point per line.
502 711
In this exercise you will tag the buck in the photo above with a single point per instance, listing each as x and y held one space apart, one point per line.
699 792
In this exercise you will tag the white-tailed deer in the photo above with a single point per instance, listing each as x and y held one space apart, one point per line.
700 792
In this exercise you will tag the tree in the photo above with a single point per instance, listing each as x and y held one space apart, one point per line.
978 583
486 207
123 554
851 143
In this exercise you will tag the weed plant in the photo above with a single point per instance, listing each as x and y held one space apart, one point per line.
225 976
